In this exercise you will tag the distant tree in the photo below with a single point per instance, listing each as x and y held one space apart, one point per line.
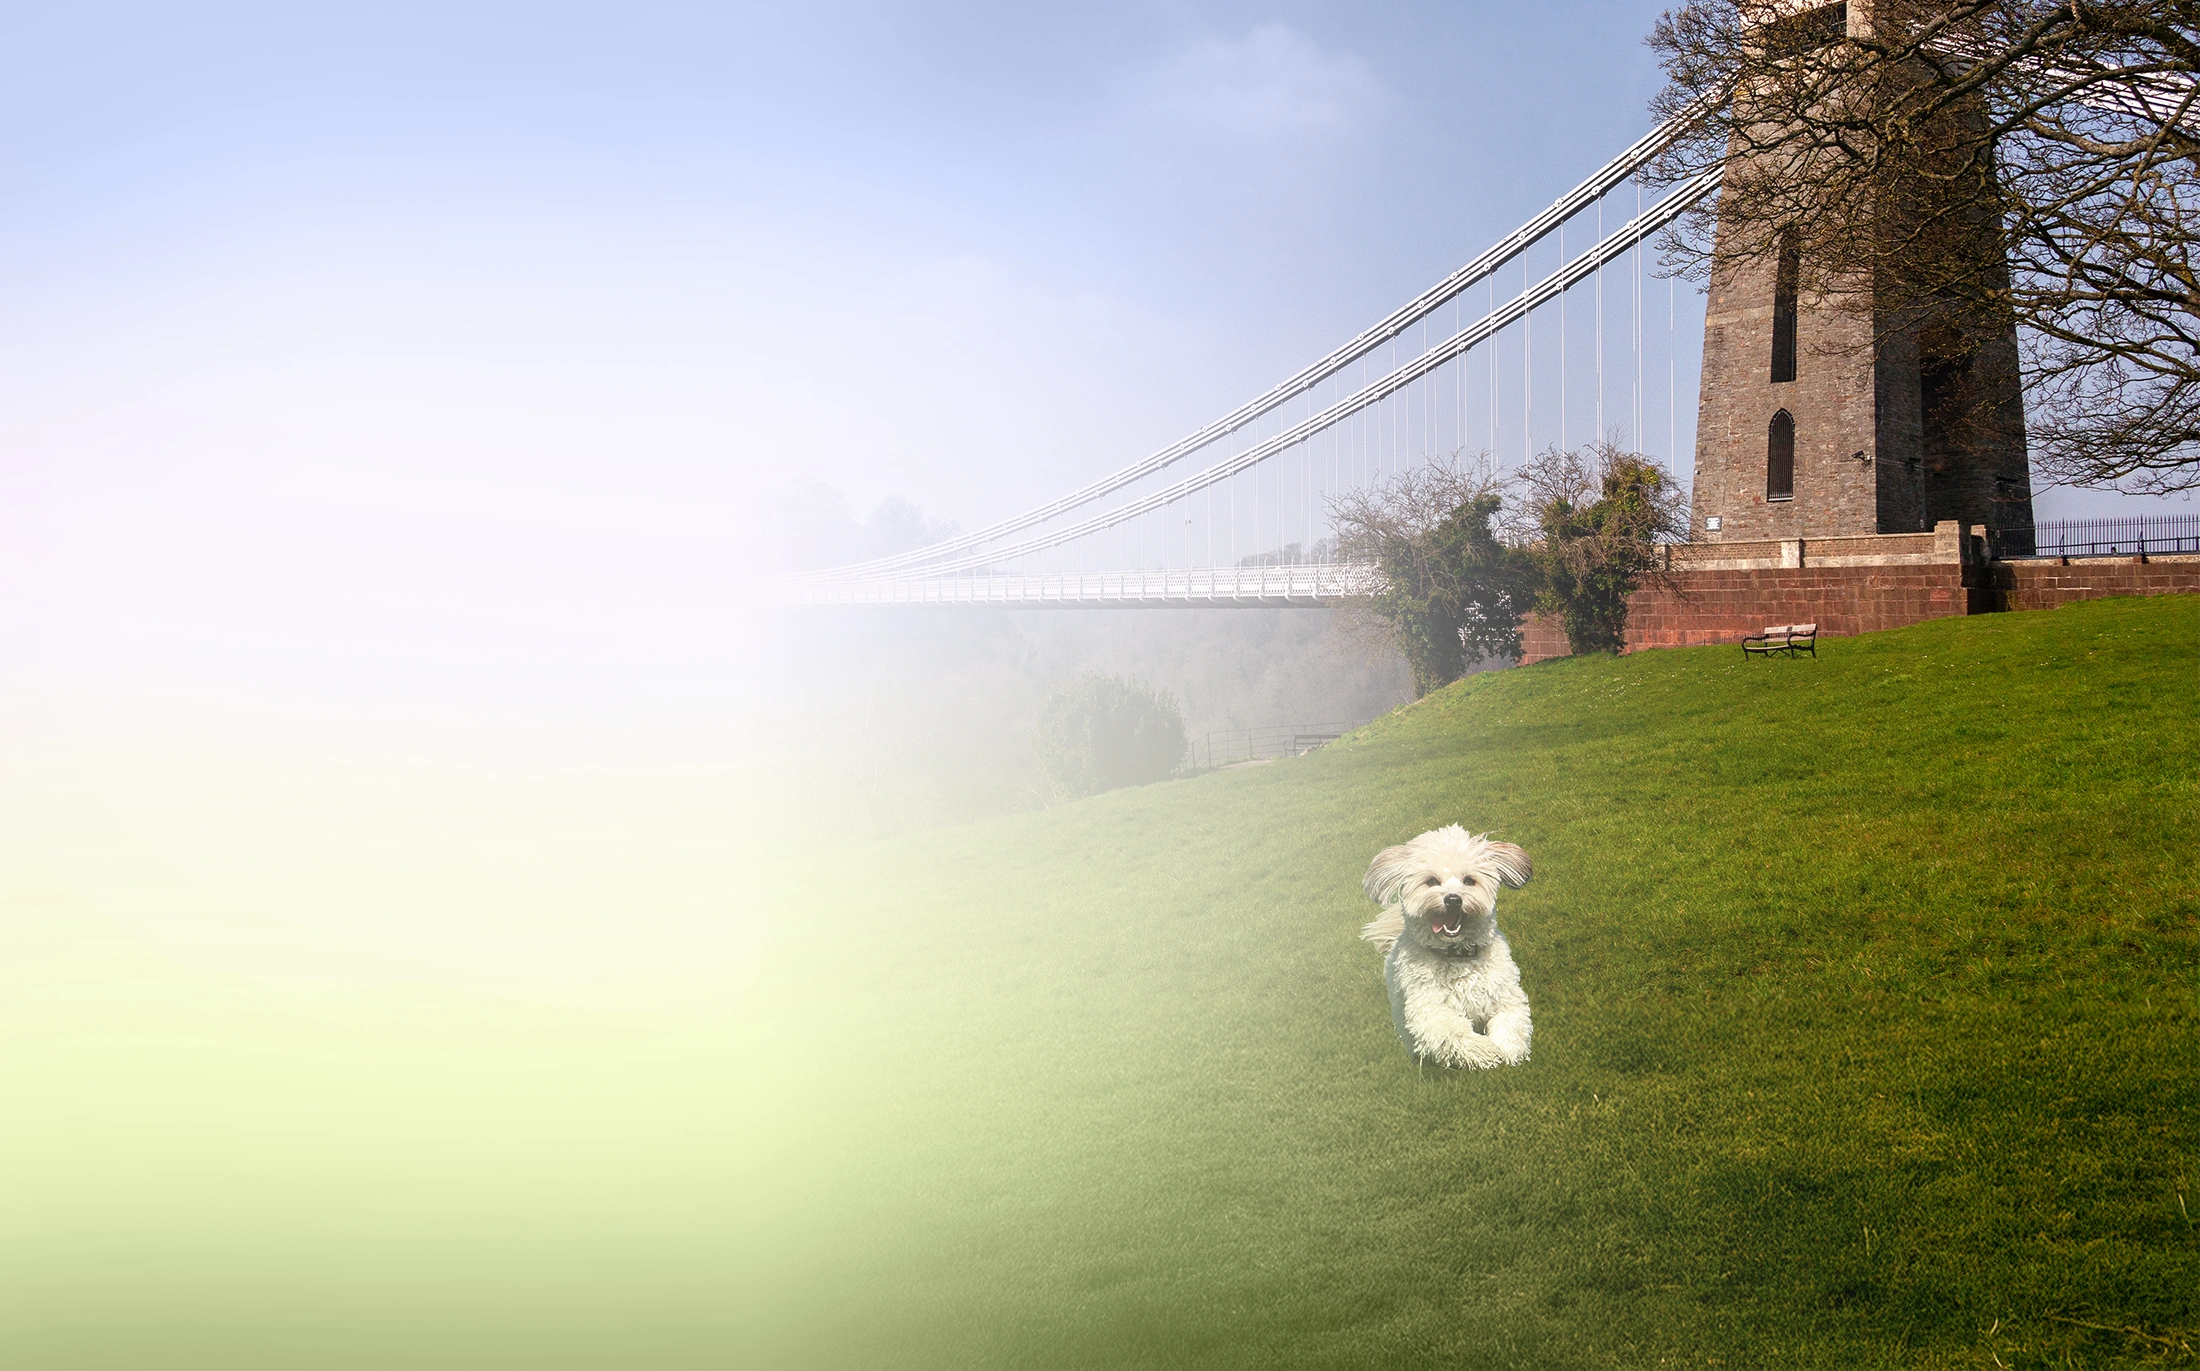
896 525
1453 591
809 524
1293 554
1594 519
1964 164
1104 732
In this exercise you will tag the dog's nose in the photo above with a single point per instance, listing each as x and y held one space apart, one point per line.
1451 904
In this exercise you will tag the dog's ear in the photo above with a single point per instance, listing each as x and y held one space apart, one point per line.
1512 864
1390 869
1384 929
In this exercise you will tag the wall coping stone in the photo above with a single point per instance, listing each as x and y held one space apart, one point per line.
1947 544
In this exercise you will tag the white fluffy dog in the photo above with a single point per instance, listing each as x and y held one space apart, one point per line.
1454 991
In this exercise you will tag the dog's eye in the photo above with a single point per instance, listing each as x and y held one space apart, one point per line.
1432 881
1468 879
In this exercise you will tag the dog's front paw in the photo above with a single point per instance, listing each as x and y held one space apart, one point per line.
1466 1050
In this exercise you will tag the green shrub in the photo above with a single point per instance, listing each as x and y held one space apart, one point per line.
1600 515
1452 592
1103 732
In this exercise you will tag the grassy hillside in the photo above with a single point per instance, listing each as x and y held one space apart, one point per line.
1864 1002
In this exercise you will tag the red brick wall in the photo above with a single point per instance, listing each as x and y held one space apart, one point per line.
2044 585
1727 606
1542 639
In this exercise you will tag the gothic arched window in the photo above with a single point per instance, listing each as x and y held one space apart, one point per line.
1784 289
1780 458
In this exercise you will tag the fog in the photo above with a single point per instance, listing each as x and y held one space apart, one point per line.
400 417
506 738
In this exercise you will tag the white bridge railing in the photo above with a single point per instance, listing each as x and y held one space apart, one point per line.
1312 586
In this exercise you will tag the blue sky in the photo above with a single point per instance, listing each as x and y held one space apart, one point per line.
963 252
613 270
474 333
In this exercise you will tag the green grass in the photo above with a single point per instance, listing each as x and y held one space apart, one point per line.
1864 999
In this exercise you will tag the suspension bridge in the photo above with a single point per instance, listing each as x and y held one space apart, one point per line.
1237 512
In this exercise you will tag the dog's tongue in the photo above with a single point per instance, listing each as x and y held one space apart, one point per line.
1449 930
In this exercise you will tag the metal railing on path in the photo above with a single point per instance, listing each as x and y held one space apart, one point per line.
1229 746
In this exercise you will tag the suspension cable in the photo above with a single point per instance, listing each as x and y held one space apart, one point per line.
1482 267
1629 235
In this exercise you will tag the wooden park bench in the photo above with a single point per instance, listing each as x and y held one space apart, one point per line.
1788 638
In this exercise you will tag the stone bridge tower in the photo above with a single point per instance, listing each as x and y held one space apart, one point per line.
1817 421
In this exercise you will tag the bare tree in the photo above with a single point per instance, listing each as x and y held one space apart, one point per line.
1966 164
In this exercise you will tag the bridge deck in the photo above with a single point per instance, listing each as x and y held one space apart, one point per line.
1258 587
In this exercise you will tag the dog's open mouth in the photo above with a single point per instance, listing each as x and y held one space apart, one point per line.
1447 925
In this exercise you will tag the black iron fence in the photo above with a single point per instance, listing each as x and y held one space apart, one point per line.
1225 747
2114 537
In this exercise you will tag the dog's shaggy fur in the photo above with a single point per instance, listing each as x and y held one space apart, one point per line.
1454 991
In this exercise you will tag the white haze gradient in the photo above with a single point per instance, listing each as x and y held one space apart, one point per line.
395 407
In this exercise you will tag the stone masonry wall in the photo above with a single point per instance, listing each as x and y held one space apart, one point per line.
1832 400
1903 417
